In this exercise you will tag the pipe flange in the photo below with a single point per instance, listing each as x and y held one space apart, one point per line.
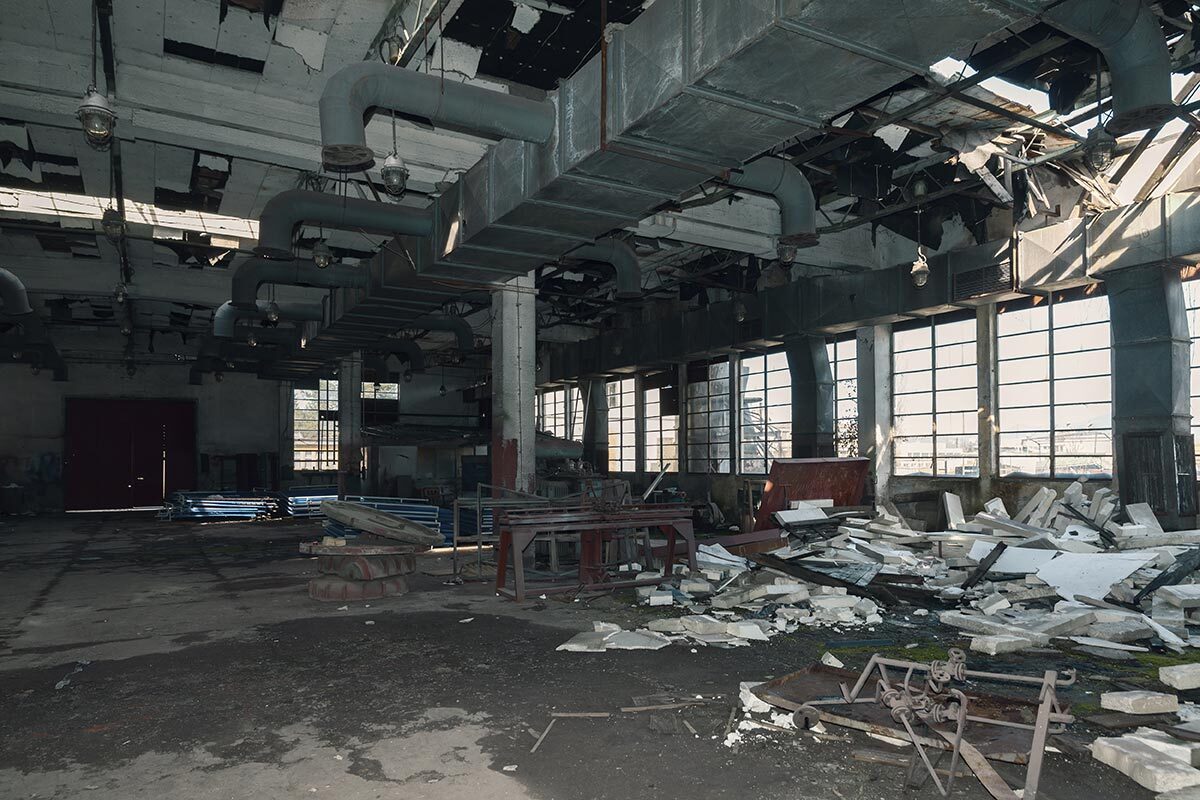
347 157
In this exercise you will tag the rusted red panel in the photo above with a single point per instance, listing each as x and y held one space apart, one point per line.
504 462
839 479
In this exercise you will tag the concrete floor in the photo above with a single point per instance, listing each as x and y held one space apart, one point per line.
213 675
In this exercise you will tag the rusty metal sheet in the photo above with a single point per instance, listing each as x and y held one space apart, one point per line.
839 479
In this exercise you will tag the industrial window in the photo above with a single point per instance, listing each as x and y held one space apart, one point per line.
1055 404
622 426
1191 296
552 412
765 421
660 410
708 422
575 430
315 428
381 404
935 398
843 360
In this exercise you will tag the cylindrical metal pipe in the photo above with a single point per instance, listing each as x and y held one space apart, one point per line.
786 183
624 259
254 272
355 88
456 325
286 210
406 349
226 317
14 301
1128 34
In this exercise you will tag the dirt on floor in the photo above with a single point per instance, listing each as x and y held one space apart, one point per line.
150 659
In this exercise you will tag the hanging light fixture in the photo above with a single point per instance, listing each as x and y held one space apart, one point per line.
252 340
273 312
322 256
393 172
121 293
1100 148
920 267
97 117
739 310
442 388
113 225
408 376
218 376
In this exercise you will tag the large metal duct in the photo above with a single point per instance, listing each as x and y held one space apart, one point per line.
226 317
286 210
1127 32
624 260
252 273
786 183
14 301
463 335
405 350
687 92
354 89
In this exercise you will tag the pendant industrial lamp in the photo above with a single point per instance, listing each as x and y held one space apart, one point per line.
95 113
393 172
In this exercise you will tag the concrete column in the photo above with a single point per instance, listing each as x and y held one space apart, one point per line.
1151 356
595 423
639 426
514 370
350 437
865 370
880 409
812 397
985 359
287 433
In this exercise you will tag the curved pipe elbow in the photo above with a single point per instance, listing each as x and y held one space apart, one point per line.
1139 63
355 88
14 300
254 272
786 183
624 260
226 317
407 350
286 210
463 334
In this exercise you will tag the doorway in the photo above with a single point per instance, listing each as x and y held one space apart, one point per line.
127 453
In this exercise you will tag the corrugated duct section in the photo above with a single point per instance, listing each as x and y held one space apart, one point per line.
693 88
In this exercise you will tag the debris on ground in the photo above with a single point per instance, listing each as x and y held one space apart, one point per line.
1075 568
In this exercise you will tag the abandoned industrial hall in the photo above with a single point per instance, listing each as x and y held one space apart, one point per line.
600 399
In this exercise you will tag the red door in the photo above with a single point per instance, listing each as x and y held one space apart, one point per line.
126 453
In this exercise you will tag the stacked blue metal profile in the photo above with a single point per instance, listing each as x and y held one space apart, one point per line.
305 501
219 505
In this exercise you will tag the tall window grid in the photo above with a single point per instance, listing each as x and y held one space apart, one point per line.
622 426
315 421
552 412
843 360
708 421
935 398
662 434
1191 296
765 421
575 430
1055 380
315 428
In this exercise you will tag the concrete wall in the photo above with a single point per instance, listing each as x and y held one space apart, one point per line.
239 415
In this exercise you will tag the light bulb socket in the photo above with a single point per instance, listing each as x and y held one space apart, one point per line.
394 175
113 225
1099 149
96 115
322 256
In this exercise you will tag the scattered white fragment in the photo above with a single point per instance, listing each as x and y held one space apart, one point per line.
468 619
830 660
510 768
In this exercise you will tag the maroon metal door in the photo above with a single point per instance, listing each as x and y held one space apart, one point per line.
124 453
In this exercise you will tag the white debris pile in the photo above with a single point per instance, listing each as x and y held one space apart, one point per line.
1077 569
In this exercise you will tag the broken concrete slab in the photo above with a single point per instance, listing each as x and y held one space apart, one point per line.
1131 629
996 645
1184 595
1170 616
993 604
702 623
666 625
746 629
1139 702
952 505
1090 575
1143 514
586 642
1168 745
636 640
1144 764
1181 676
